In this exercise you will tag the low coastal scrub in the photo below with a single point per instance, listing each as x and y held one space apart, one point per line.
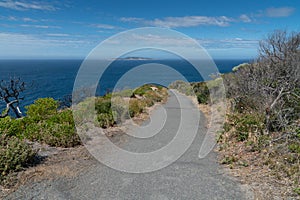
120 106
46 123
15 154
198 89
261 135
43 123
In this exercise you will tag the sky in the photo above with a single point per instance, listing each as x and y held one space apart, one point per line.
71 29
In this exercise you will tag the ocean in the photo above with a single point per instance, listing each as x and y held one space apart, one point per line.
55 78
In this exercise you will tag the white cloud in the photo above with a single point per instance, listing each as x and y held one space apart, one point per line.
187 21
230 43
104 26
27 19
22 5
38 26
245 18
167 41
14 18
23 45
279 12
58 34
33 40
194 21
131 19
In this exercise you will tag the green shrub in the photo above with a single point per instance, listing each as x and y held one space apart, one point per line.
42 109
153 96
294 148
142 90
119 110
244 104
242 136
103 105
297 190
136 107
298 133
124 93
105 120
44 123
228 160
57 130
202 92
83 111
148 102
112 108
14 155
227 126
11 127
183 87
246 123
203 98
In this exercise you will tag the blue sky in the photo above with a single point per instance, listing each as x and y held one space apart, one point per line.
71 29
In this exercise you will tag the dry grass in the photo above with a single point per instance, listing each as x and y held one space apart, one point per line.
64 162
270 169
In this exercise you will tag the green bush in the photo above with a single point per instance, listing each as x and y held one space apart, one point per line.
142 90
57 130
183 87
42 109
45 123
228 160
103 105
297 190
245 124
294 148
12 127
148 102
83 111
136 107
105 120
14 155
120 112
203 98
153 96
202 92
107 113
112 108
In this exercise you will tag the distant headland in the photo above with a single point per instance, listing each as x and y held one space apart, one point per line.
133 58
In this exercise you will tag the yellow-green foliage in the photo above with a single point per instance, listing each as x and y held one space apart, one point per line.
42 109
14 155
240 126
136 107
202 92
12 127
44 123
113 108
183 87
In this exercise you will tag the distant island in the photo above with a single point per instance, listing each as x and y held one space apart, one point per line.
133 58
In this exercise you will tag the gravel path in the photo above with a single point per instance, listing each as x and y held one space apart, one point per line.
188 178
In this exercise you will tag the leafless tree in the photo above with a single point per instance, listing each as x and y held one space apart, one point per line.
272 82
10 94
280 55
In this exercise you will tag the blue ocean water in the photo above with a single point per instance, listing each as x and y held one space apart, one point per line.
55 78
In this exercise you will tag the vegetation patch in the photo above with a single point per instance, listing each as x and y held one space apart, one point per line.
120 106
262 126
15 154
